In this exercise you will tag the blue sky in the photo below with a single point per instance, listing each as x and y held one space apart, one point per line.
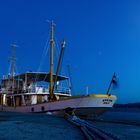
101 36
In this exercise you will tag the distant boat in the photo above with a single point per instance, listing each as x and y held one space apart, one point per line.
39 92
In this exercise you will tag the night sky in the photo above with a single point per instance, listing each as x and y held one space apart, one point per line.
102 37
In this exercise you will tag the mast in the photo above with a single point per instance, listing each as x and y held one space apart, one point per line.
58 65
13 66
52 80
13 60
51 60
13 72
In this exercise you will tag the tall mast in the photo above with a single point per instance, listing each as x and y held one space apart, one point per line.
51 60
13 71
13 60
13 67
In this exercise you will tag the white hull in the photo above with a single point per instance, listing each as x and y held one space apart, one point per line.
85 105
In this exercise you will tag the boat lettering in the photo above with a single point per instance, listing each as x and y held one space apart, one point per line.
107 101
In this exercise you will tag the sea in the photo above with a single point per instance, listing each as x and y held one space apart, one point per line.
41 126
125 123
123 114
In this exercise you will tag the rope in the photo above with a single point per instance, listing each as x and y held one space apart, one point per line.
57 48
90 131
45 52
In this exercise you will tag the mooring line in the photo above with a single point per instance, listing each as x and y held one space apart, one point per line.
115 137
90 132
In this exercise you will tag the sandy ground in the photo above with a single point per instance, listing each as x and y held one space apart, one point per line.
21 126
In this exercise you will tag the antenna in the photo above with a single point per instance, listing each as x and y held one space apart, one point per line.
70 79
86 90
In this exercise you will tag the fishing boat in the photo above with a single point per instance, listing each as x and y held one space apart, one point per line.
25 93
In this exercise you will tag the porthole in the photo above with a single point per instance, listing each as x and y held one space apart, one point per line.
32 109
42 108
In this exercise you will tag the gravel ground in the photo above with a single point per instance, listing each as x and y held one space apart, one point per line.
21 126
27 126
124 132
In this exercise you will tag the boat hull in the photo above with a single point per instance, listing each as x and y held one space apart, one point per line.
82 105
